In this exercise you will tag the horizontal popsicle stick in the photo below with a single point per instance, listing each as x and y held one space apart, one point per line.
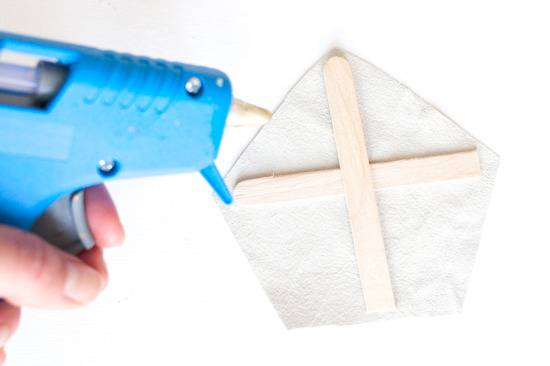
305 185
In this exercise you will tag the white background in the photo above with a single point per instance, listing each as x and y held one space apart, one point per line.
181 292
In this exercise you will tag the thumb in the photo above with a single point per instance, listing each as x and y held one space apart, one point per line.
34 273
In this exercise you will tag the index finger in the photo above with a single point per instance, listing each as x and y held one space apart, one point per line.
102 217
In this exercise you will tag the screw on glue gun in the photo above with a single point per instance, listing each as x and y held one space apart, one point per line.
77 116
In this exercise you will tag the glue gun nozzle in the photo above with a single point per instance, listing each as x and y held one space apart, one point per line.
214 178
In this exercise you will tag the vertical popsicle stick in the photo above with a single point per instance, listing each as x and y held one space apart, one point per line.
358 186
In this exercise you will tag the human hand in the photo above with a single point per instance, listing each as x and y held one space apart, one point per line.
36 274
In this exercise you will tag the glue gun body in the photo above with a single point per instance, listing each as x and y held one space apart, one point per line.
72 117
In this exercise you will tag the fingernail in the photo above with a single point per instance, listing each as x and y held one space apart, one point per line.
104 281
82 284
4 335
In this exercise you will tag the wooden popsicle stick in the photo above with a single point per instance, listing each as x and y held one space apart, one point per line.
322 183
358 186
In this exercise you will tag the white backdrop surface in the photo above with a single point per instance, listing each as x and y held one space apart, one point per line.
181 292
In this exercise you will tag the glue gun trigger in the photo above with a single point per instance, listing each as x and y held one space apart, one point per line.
65 225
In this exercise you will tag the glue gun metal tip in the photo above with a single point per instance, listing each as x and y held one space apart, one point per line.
243 114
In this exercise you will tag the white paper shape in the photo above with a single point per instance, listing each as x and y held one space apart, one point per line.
302 251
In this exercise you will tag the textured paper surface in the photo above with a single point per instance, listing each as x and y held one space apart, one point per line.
302 251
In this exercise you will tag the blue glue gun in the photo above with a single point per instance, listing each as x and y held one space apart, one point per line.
73 116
